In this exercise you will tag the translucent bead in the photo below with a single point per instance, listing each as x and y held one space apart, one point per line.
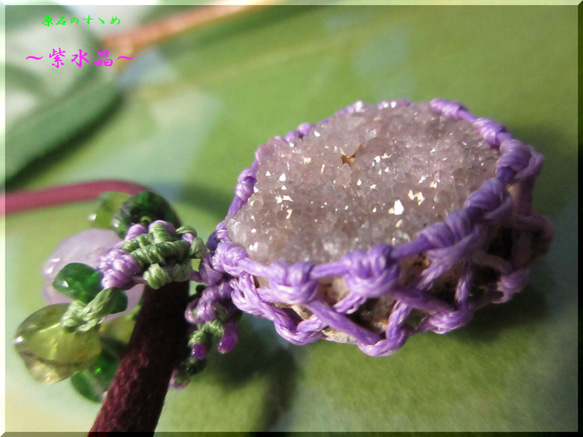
109 203
81 282
86 247
144 207
94 381
49 351
78 281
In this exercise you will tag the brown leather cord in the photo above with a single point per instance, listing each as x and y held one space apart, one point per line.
136 395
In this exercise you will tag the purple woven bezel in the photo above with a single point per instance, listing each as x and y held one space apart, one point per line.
461 240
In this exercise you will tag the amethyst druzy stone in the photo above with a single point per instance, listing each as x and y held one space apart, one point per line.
375 175
379 223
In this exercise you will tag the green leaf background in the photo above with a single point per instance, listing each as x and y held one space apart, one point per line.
185 120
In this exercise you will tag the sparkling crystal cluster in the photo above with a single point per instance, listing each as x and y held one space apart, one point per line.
359 179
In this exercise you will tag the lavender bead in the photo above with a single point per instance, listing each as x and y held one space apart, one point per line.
85 247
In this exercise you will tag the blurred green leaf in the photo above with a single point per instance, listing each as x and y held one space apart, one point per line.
47 105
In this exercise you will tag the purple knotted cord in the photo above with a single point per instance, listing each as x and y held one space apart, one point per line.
460 241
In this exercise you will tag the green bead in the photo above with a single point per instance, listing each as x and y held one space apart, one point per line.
49 351
78 281
94 381
109 203
144 207
81 282
120 302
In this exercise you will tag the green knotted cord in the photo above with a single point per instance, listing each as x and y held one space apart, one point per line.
153 251
81 317
205 332
157 249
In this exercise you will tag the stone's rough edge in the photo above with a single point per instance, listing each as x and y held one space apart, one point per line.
229 271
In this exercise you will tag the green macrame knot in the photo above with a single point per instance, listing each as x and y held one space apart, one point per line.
156 250
82 317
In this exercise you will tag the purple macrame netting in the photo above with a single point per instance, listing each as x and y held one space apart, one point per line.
460 242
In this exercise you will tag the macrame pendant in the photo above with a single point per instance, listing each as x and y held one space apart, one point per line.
378 223
373 225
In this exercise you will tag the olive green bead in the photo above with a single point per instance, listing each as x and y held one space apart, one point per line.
49 351
109 203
